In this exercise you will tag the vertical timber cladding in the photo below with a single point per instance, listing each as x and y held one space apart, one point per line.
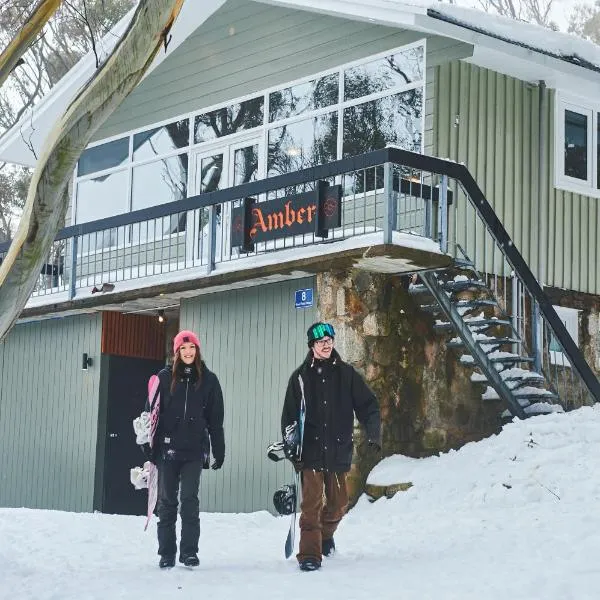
490 122
252 338
49 414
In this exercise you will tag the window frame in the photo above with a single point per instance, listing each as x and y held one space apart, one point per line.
263 129
562 181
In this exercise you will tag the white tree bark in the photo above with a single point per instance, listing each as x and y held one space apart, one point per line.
47 199
39 16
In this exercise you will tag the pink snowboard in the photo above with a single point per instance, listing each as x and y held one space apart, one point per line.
154 403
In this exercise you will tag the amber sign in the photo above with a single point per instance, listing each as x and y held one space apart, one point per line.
310 212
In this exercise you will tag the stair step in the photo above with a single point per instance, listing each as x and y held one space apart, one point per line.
538 408
505 359
472 324
543 408
491 341
463 263
464 284
461 304
524 398
418 288
519 380
508 360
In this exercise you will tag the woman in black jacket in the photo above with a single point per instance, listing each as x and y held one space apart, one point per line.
190 422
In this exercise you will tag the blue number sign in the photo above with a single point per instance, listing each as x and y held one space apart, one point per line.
304 298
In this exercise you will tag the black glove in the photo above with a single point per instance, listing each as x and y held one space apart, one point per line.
375 446
217 464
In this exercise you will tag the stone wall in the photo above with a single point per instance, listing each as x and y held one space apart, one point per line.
428 403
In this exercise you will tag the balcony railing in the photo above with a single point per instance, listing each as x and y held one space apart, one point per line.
196 234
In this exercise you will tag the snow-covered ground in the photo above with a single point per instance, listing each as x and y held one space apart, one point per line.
512 517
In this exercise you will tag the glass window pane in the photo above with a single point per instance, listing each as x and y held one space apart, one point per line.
105 156
245 165
390 120
303 144
161 140
576 145
211 173
101 197
395 70
304 97
160 182
229 119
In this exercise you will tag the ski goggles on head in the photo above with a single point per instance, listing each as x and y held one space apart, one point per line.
320 330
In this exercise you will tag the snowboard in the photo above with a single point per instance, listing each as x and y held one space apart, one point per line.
154 404
291 536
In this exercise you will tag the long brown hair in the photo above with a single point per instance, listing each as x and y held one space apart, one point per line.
197 364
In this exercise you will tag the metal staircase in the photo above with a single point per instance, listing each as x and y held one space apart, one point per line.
466 305
504 322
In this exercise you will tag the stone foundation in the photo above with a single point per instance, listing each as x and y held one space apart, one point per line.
428 403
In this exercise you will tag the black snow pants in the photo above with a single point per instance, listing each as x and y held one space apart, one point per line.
173 475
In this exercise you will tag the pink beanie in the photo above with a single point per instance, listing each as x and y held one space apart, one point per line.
184 337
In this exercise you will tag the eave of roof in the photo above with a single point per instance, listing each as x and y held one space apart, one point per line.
570 58
35 124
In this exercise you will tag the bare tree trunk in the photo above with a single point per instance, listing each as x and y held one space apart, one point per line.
47 199
9 59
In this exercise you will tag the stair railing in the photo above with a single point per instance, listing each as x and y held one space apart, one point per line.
474 227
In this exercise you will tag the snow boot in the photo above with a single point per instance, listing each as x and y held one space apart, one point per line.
309 564
328 547
166 562
189 560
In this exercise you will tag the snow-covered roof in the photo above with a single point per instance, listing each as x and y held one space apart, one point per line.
522 50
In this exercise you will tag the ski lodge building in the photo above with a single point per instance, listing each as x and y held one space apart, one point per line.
423 176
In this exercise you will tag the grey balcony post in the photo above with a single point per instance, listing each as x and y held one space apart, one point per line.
212 238
444 214
73 274
389 217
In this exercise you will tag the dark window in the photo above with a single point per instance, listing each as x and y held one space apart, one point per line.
105 156
576 145
229 119
161 140
304 97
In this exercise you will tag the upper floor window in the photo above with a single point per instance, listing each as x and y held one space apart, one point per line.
577 146
356 107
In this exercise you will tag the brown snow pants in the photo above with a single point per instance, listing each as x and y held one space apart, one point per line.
324 503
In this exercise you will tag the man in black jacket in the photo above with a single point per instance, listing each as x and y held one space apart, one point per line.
334 392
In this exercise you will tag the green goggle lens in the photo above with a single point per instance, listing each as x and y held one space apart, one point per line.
322 330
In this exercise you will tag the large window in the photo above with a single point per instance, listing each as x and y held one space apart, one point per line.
577 146
355 108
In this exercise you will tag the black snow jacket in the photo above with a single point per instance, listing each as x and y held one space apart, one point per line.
334 393
191 418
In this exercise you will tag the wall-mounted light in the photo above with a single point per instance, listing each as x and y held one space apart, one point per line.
86 361
161 316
